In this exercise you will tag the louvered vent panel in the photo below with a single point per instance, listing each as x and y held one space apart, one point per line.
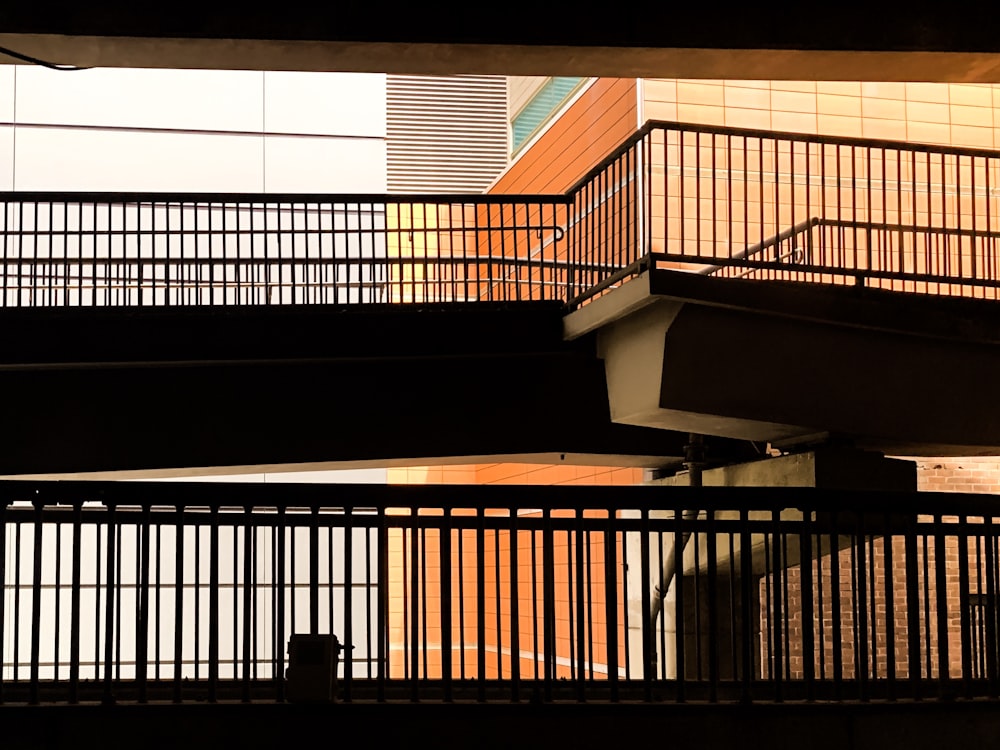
445 134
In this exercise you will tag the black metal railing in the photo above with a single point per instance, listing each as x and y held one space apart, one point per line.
179 592
84 249
762 204
733 201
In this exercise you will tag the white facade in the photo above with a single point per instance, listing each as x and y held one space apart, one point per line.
191 130
182 131
124 130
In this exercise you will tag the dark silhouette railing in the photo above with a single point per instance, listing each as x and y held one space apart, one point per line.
736 202
137 249
182 592
768 205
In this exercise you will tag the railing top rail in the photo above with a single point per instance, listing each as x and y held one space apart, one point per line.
445 497
610 158
772 135
39 196
833 140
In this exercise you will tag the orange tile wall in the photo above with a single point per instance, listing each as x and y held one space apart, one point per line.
605 115
950 114
957 114
497 580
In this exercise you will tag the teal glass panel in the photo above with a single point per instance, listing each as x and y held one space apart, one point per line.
541 107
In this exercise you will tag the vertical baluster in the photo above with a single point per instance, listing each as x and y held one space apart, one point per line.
348 644
480 604
249 591
142 620
747 636
991 612
611 614
36 600
383 604
74 637
446 604
680 540
279 651
913 608
548 603
179 605
648 636
213 604
515 641
861 607
581 621
711 561
110 635
963 599
777 605
890 608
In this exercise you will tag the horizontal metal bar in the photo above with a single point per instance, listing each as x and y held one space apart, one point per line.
797 267
428 499
911 228
270 199
633 269
828 140
771 242
769 543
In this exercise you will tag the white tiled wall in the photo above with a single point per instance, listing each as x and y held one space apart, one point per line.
6 157
76 159
324 165
140 98
325 103
6 93
191 130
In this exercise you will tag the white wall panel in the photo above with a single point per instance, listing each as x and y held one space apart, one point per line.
324 165
6 158
142 98
325 103
7 93
69 159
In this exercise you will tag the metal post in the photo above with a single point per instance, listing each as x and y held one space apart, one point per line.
142 626
74 640
36 601
694 462
109 613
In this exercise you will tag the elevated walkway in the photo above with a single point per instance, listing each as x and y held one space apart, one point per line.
486 608
158 391
750 285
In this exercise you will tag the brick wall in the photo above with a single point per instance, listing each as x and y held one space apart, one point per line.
959 474
842 578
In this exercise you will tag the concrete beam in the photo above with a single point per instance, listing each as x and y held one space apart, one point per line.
633 326
449 58
764 372
686 40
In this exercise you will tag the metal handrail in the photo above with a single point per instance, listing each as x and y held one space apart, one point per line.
776 625
577 245
769 243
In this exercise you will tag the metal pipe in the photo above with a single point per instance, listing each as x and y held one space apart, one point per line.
787 234
694 462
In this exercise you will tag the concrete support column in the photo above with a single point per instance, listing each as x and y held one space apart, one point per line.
828 468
